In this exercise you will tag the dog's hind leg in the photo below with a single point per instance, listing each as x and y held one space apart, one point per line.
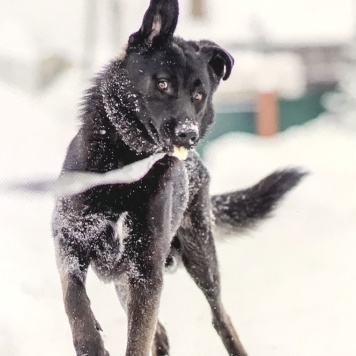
161 343
200 262
199 258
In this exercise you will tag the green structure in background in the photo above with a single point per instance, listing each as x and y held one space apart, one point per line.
299 111
241 118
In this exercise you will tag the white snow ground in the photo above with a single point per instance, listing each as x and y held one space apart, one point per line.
289 286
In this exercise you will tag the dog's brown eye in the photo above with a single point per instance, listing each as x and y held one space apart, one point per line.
198 96
163 85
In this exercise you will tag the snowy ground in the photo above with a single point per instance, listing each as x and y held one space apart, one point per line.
289 286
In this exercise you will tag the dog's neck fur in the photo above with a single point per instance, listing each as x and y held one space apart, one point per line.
107 105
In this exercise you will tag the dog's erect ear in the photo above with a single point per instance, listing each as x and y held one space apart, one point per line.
219 59
159 23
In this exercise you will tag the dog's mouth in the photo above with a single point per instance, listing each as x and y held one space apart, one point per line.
180 152
175 150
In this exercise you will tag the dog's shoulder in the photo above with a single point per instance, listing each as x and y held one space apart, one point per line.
81 155
96 153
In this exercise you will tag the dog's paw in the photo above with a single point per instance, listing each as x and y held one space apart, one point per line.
90 347
100 353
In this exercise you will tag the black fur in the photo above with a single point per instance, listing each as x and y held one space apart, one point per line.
243 209
159 95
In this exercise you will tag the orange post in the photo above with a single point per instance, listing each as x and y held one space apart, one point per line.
267 114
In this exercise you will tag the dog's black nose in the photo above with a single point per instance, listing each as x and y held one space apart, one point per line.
186 134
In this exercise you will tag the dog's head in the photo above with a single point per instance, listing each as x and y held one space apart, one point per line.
159 95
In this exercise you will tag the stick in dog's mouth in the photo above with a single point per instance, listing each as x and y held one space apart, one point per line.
180 152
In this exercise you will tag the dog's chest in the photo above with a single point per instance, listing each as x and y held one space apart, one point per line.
106 261
111 261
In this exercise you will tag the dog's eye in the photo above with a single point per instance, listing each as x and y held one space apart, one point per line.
162 84
198 96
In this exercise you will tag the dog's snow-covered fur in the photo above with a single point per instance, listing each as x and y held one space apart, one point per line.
157 95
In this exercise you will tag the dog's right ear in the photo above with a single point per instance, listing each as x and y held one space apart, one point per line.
159 23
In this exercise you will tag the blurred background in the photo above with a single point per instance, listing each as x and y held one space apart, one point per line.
289 286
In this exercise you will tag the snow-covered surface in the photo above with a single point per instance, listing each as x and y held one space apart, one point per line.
289 286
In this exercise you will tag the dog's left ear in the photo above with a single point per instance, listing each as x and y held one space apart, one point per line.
218 58
159 23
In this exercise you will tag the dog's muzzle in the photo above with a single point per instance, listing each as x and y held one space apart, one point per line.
181 135
185 134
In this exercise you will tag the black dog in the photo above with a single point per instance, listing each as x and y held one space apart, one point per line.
156 98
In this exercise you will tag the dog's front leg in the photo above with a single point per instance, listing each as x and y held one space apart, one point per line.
143 307
160 345
146 249
85 329
76 238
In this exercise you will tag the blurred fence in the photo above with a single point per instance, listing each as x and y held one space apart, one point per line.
242 118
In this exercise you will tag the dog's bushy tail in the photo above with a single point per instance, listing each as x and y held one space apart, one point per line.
241 210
